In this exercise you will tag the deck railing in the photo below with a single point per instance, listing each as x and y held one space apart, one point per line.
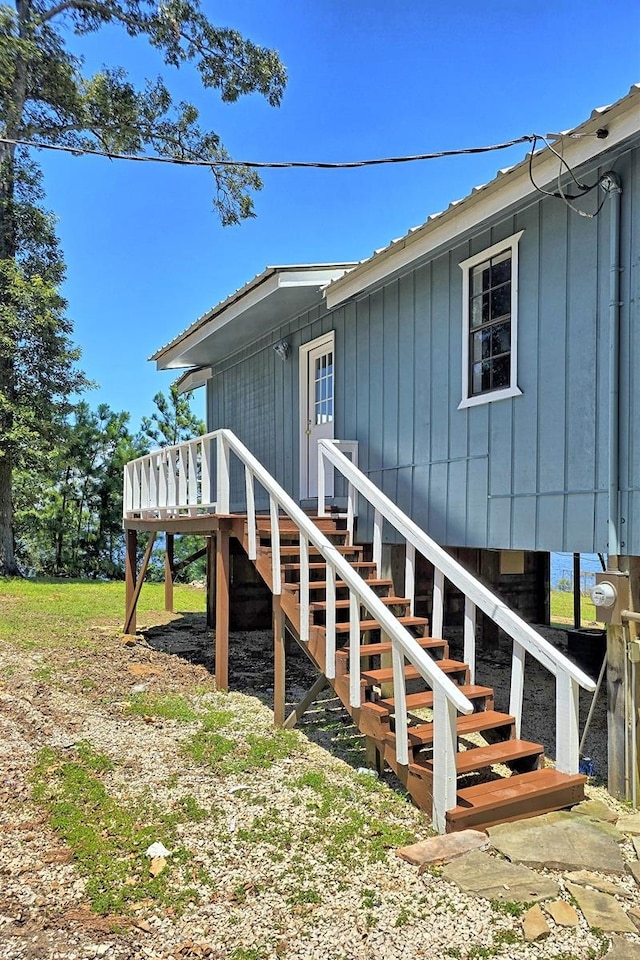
173 496
477 597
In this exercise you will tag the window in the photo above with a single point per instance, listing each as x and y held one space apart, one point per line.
490 314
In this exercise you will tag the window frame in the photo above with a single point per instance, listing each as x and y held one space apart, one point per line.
502 393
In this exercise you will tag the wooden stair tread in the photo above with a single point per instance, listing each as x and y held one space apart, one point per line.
422 733
385 674
518 796
505 751
292 550
344 604
425 698
378 649
340 584
357 565
375 624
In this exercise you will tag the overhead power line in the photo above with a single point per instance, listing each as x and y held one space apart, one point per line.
276 164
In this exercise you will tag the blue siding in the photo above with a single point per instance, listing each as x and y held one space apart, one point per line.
528 472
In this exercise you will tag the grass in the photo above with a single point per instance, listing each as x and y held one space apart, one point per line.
109 837
562 608
43 613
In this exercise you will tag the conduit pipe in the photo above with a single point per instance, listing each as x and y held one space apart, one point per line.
611 184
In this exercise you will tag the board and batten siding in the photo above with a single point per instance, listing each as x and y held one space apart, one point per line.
528 472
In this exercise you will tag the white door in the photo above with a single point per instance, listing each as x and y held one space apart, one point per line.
317 379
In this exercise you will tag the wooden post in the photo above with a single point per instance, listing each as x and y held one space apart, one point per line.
620 697
168 572
222 608
131 549
211 581
279 663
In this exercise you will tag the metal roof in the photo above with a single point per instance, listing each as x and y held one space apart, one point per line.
416 242
271 298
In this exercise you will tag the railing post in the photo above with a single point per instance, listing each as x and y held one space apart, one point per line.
205 471
192 460
330 628
437 612
470 637
567 720
276 574
351 510
517 684
304 588
172 478
410 576
354 649
400 705
445 745
127 490
251 514
222 475
377 542
321 485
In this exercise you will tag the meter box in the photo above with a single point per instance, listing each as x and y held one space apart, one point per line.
610 596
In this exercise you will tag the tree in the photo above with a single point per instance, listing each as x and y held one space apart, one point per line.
44 96
173 421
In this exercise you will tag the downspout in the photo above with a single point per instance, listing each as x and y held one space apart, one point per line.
611 184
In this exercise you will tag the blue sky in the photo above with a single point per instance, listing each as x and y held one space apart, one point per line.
145 253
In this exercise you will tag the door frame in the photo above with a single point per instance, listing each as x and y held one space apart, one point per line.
326 340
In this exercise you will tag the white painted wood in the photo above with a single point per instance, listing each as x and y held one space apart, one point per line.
205 470
377 541
311 431
354 649
470 637
304 589
222 475
445 745
276 587
172 492
192 466
162 479
251 514
567 724
517 684
322 465
330 631
400 705
154 480
127 490
437 615
410 576
144 484
351 512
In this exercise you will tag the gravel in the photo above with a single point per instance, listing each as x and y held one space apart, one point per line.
279 883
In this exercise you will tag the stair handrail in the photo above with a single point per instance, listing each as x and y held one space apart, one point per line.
524 636
448 700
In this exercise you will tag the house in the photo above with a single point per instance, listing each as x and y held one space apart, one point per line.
484 364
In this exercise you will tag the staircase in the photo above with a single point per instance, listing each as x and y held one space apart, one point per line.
500 777
422 712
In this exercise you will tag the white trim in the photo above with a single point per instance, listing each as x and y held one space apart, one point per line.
472 400
193 379
511 186
327 339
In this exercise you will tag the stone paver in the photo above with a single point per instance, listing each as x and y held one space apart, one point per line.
562 913
623 950
636 845
630 824
534 925
634 913
444 848
596 809
485 876
601 910
634 870
560 841
587 879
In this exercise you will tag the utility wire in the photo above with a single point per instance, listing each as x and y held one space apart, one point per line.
276 164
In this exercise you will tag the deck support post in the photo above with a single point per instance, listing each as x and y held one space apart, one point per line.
374 756
303 705
623 694
131 550
211 581
168 572
279 663
132 596
222 608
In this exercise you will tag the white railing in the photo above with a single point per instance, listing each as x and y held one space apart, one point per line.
174 481
525 639
448 700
